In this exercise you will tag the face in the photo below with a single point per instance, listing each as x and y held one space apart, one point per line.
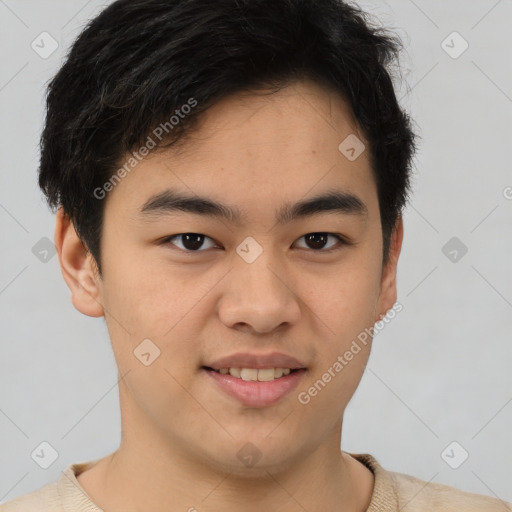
267 277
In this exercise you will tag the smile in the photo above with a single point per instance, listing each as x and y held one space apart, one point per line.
255 387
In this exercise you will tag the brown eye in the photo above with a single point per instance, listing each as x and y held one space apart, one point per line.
191 242
318 242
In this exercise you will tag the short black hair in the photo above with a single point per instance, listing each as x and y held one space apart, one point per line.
139 62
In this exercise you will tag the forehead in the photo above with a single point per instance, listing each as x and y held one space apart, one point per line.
258 148
303 111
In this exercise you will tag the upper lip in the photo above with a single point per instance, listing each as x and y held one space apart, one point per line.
248 360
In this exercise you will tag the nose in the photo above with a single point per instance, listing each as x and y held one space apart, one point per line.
259 296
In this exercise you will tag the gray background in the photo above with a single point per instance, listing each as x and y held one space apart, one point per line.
439 372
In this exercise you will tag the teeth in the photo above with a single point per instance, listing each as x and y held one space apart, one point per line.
254 374
249 373
235 372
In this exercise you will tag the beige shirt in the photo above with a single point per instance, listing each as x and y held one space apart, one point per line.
392 492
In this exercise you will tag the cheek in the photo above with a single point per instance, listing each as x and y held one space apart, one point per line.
343 313
147 301
344 302
147 297
155 344
159 391
343 316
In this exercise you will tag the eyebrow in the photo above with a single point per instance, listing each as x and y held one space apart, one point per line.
171 201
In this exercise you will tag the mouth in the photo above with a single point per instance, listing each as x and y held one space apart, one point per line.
255 387
255 374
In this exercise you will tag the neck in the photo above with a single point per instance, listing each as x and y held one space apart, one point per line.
149 472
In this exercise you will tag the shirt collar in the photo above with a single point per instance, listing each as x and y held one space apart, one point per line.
75 499
384 495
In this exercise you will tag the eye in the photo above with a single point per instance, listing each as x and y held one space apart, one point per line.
191 242
317 241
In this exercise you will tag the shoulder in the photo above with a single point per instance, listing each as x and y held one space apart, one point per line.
45 499
61 496
64 495
416 495
397 491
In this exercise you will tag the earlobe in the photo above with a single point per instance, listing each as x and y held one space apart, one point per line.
388 281
77 267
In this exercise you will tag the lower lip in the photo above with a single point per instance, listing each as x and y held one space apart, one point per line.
256 393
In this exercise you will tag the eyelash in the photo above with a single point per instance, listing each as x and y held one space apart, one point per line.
343 242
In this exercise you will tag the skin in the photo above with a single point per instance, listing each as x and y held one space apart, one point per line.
180 434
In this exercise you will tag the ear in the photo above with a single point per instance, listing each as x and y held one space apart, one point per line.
78 268
388 280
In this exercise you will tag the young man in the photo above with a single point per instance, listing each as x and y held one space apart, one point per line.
229 178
